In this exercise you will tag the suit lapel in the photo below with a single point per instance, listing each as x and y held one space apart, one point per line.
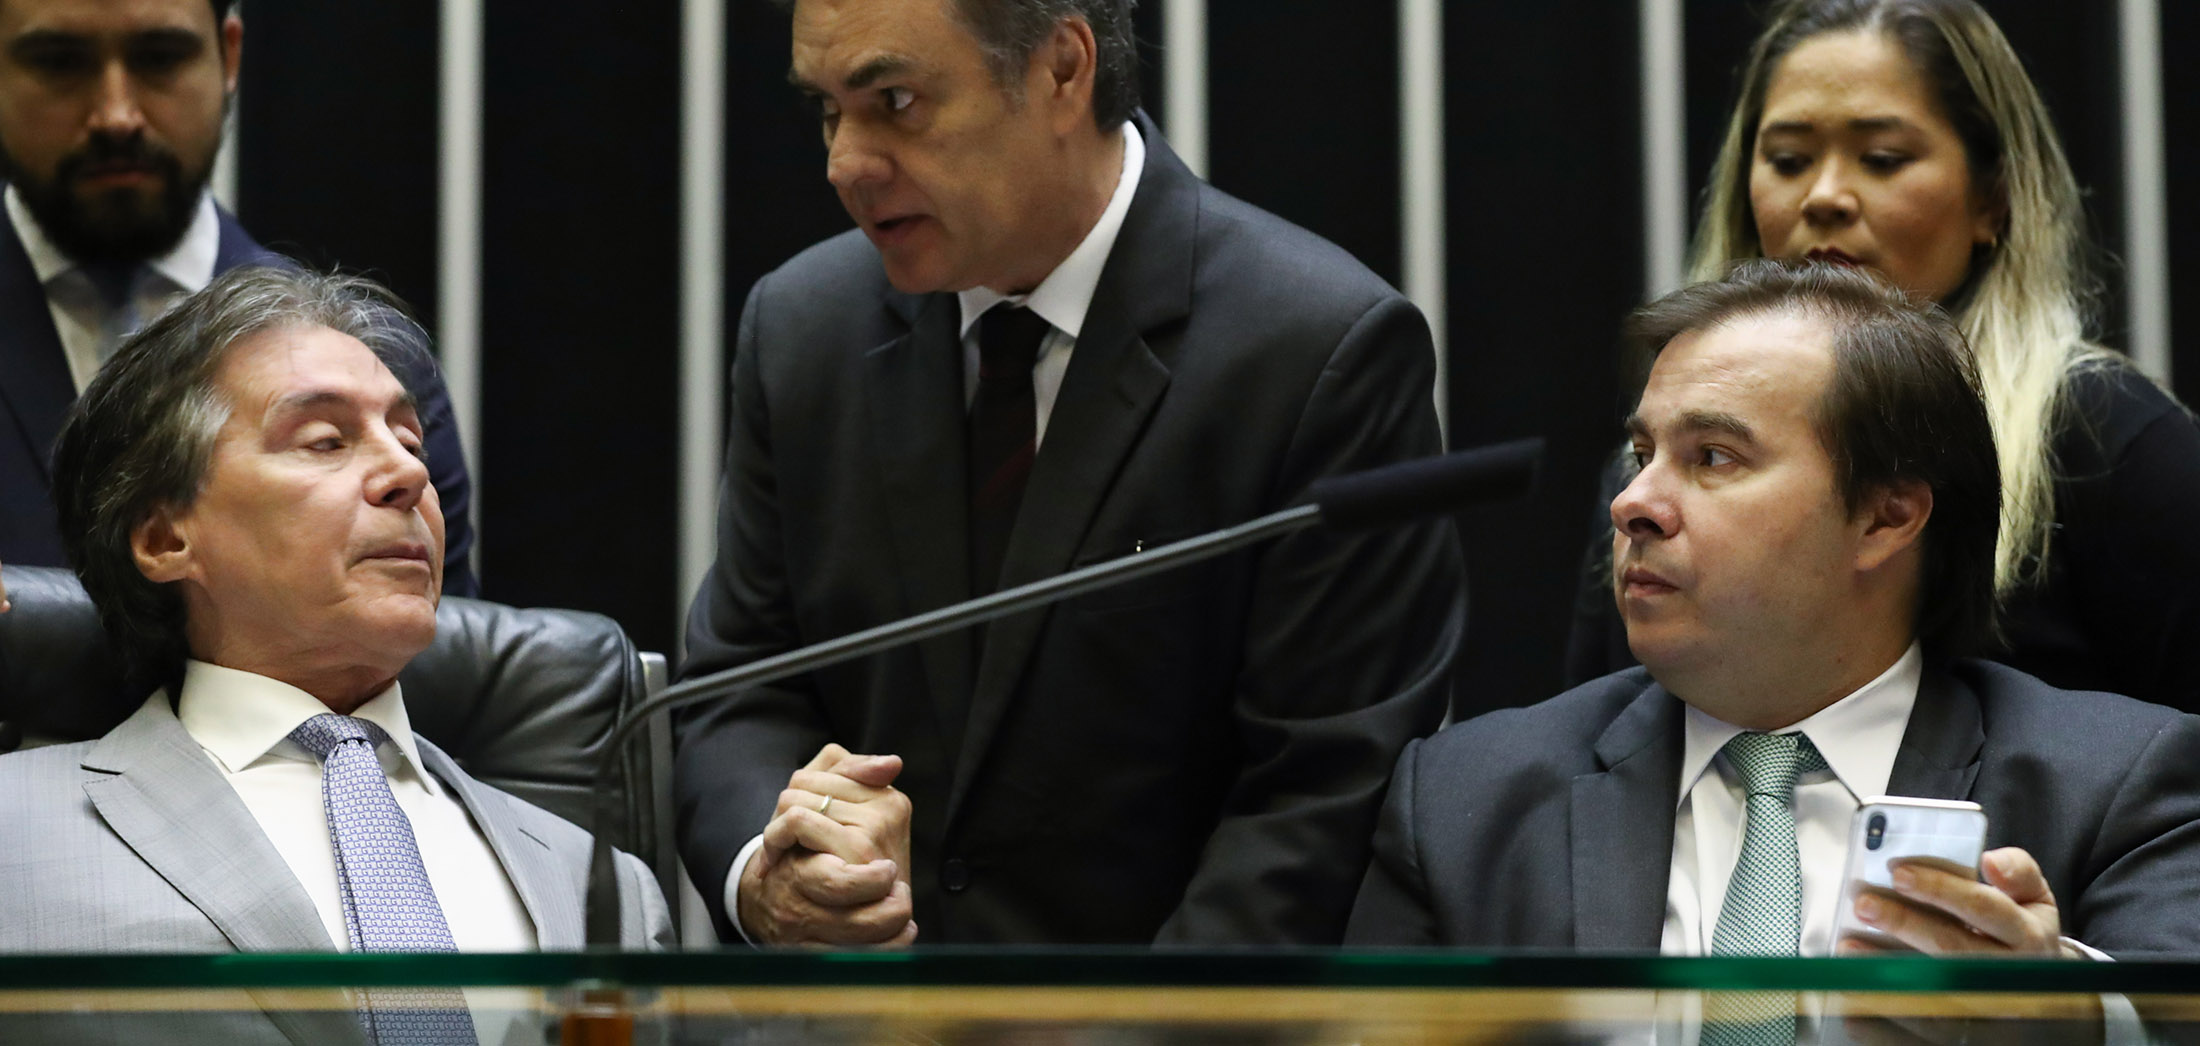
157 791
546 886
1622 834
34 371
1940 746
236 247
913 391
1113 383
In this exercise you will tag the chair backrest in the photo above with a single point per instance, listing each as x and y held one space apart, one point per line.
524 699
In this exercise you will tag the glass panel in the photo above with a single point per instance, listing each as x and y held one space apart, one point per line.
1099 997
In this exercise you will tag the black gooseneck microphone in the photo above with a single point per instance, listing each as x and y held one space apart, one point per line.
1366 500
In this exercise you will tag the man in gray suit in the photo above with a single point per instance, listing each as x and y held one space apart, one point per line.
245 498
1802 558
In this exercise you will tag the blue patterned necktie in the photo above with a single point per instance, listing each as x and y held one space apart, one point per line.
389 905
1763 911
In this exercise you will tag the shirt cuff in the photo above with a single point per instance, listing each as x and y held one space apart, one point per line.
741 864
2081 948
2120 1023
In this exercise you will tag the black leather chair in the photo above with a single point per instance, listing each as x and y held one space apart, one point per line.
524 699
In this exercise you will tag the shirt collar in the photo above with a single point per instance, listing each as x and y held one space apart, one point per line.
1063 298
189 266
241 717
1858 735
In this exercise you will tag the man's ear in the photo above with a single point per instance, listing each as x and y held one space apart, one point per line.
1064 68
232 35
1893 519
160 547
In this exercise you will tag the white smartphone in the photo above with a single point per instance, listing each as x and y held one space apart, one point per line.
1950 833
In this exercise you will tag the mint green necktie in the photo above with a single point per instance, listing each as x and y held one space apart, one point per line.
1763 912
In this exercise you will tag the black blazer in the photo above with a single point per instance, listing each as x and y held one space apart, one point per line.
1196 756
1552 826
36 391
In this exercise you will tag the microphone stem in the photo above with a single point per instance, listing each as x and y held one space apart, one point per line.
602 911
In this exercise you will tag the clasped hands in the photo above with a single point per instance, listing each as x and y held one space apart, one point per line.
833 868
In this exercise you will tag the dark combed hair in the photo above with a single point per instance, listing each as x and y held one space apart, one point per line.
1009 31
143 433
1903 405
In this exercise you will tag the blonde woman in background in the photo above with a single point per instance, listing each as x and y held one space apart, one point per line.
1903 136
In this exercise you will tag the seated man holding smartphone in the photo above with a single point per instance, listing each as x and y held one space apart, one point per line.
1802 560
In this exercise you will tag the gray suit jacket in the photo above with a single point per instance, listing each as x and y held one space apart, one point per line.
1552 826
135 843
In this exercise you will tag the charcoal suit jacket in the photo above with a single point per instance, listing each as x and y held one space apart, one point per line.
1193 757
1552 826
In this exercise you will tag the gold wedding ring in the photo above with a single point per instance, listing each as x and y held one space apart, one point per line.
826 807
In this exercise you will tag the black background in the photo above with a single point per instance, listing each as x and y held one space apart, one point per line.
337 164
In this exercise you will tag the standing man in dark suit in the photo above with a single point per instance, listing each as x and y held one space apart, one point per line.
1806 548
110 118
1057 347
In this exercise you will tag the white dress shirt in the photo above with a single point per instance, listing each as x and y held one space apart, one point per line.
1858 736
243 722
81 314
1062 299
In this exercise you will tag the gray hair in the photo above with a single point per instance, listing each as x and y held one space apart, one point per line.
1009 31
141 436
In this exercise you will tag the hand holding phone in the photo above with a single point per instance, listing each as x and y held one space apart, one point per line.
1949 834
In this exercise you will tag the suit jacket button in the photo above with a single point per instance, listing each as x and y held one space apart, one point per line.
955 875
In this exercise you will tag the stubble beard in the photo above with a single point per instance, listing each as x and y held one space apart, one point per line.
118 225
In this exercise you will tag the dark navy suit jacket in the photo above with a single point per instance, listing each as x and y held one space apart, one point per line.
36 390
1552 826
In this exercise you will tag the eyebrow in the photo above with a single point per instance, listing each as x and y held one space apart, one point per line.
868 73
316 399
1699 421
50 37
33 39
1865 124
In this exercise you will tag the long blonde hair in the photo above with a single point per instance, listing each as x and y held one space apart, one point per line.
2023 306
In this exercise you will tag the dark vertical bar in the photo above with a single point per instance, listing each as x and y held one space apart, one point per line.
580 310
2181 113
1546 225
1303 118
336 159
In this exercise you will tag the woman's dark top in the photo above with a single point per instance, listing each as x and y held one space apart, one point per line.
2119 609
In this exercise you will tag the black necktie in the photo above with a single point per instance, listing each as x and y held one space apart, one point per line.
1003 423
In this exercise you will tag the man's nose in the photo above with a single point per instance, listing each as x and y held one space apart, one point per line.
115 110
852 159
1643 509
398 477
